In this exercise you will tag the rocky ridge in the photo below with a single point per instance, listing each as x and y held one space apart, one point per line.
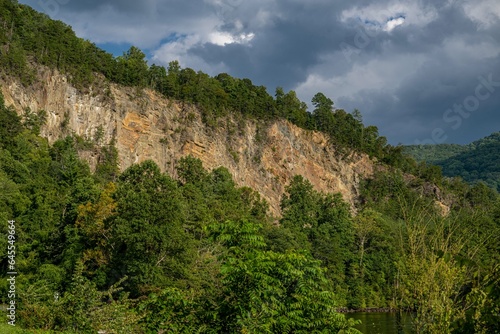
144 125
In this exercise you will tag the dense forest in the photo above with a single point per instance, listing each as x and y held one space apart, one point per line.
433 154
141 252
475 162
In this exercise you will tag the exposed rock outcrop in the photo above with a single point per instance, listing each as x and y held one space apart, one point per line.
145 125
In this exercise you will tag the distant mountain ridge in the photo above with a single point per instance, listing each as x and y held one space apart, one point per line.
474 162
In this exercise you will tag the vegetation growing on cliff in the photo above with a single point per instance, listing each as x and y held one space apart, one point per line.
142 252
28 38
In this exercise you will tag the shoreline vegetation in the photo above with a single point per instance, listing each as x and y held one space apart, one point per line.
142 251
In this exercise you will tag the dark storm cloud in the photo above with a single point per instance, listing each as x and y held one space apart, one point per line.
448 76
130 8
281 56
404 64
143 23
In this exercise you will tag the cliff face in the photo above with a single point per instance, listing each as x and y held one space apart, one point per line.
145 126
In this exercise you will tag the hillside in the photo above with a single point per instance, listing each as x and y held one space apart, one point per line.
35 39
433 154
151 112
144 125
142 199
475 162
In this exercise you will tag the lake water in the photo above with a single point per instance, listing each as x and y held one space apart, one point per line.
381 323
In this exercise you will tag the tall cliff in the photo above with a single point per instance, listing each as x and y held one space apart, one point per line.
145 125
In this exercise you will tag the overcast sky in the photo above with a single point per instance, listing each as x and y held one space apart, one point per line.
422 71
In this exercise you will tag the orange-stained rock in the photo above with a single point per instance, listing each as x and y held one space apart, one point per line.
147 126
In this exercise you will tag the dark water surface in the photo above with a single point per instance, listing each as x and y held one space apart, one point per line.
381 323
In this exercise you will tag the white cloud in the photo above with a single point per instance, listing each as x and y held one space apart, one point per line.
221 38
393 23
179 50
225 38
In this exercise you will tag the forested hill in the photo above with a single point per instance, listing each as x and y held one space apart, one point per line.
475 162
28 37
433 154
101 246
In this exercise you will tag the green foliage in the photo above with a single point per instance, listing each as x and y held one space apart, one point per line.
322 224
348 133
484 314
34 121
107 165
11 125
202 256
132 68
191 171
429 274
172 311
372 256
147 233
200 252
81 309
300 206
291 108
67 168
272 292
437 257
432 154
476 162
